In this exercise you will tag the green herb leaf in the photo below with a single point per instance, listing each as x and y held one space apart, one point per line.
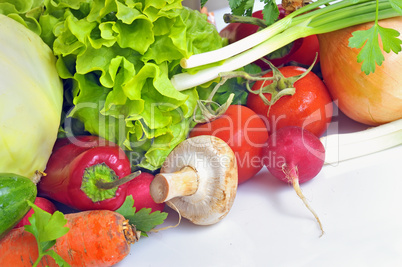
232 86
241 7
58 259
390 41
203 2
46 228
270 12
127 208
245 8
371 53
144 219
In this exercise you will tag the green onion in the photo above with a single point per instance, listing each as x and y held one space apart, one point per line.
341 147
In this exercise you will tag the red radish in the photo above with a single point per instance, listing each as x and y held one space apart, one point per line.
42 203
295 155
139 189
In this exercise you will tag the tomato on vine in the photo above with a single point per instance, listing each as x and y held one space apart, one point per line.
294 97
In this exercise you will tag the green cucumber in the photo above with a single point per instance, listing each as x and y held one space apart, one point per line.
15 190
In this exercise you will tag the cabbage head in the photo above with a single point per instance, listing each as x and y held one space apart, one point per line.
31 97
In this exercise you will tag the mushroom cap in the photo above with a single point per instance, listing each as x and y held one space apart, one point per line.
215 164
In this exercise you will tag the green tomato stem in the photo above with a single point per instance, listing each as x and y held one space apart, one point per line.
229 18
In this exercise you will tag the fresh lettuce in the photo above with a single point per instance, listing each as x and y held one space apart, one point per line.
116 58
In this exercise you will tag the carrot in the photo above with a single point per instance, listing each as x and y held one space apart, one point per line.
96 238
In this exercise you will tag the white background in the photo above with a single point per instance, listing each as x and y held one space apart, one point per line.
358 201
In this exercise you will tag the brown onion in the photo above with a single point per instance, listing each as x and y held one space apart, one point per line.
370 99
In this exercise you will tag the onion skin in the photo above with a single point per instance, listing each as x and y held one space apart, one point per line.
372 99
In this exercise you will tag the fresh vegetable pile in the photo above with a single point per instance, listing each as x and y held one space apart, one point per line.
116 59
160 108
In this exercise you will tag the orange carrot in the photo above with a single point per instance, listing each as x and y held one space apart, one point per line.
96 238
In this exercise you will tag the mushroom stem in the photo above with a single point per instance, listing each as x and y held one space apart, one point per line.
166 186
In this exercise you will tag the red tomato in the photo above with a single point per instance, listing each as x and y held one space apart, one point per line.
245 132
303 50
245 29
310 107
306 53
237 31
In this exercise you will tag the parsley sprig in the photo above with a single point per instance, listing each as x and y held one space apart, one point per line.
371 55
47 228
144 219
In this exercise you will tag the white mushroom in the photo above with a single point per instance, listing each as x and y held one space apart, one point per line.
199 179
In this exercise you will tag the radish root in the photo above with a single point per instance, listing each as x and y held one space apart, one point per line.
292 175
169 226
